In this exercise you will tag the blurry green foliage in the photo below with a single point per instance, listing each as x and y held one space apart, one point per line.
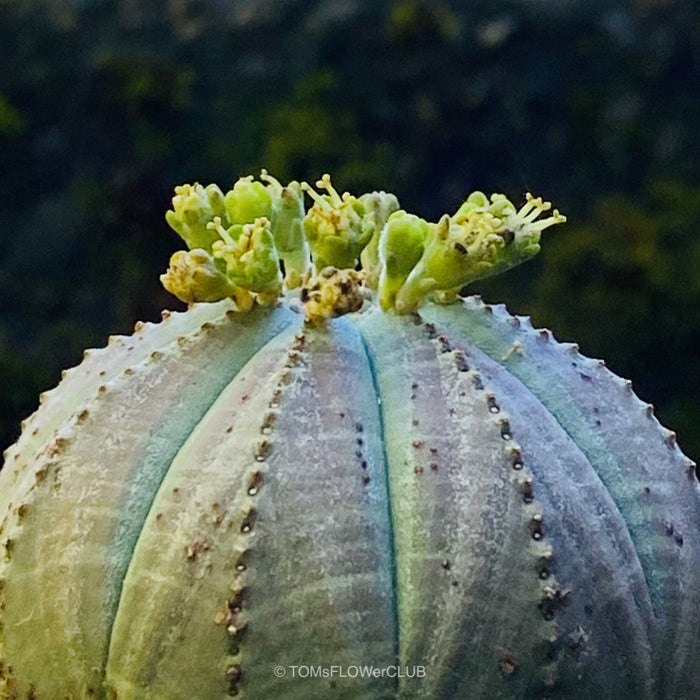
312 133
11 123
105 105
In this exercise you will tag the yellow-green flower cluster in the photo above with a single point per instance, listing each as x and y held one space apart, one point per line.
484 237
237 241
194 207
339 227
250 255
242 240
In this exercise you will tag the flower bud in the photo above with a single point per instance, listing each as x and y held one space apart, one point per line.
194 207
247 201
378 207
194 276
400 248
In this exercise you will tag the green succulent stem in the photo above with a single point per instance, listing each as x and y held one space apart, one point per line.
379 206
287 217
240 241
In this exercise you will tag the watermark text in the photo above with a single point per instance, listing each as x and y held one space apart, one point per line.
350 671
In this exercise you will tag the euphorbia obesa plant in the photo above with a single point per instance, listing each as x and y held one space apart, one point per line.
338 479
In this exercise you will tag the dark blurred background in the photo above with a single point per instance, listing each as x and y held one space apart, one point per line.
105 105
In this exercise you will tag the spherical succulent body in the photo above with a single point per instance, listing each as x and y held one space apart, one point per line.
322 498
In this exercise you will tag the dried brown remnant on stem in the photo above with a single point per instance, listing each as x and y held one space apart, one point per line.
333 293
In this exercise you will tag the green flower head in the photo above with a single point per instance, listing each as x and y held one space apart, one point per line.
250 255
194 207
194 276
247 201
335 226
485 237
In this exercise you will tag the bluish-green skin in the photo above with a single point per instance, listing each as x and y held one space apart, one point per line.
452 490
